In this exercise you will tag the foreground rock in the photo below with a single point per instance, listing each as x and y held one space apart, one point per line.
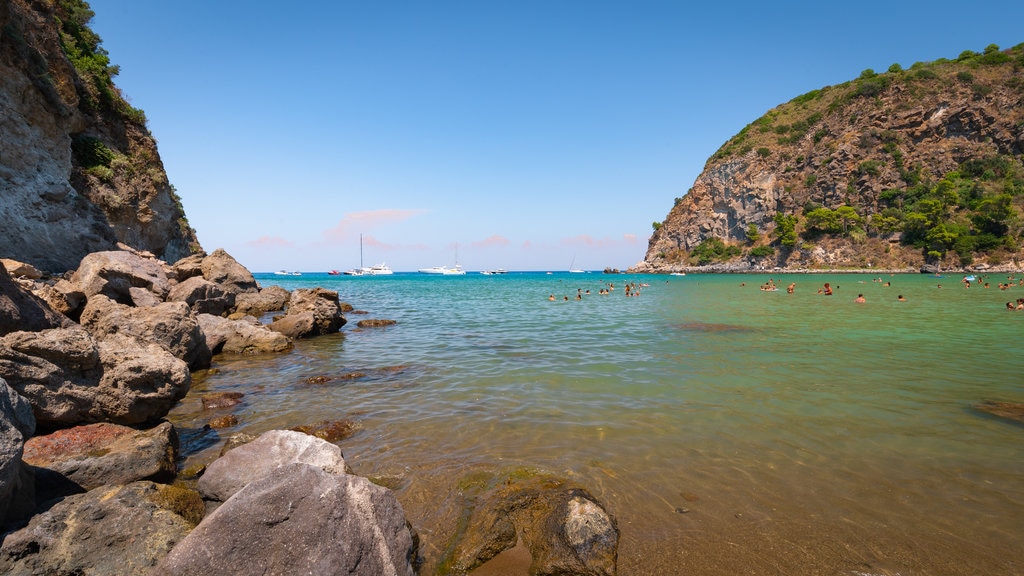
299 519
122 276
16 425
269 299
271 450
113 530
96 454
220 268
72 379
565 530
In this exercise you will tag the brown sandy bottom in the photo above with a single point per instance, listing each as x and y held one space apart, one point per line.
734 528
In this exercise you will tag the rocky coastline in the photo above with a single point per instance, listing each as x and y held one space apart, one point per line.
93 360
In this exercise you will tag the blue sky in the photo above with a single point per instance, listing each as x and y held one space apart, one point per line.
522 135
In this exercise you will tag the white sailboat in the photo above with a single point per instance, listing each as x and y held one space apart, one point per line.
574 270
381 269
456 270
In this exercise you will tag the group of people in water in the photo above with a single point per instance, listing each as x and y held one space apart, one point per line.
632 289
825 290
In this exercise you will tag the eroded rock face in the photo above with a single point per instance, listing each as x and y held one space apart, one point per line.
55 211
299 519
269 299
203 296
72 379
118 530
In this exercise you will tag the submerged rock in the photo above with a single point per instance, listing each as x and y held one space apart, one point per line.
1009 410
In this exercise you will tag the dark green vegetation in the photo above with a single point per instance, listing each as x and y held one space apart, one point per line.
850 170
82 47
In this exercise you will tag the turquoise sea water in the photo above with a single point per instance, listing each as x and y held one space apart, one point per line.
729 430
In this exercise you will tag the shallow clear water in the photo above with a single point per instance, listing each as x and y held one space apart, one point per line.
729 430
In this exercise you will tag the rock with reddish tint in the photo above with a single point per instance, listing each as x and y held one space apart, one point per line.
96 454
171 325
565 529
299 519
375 323
311 312
329 430
269 299
116 530
216 400
246 336
71 379
220 268
202 296
271 450
1009 410
16 425
22 310
115 273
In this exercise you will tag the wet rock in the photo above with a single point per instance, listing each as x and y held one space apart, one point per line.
329 430
114 273
221 400
375 323
115 530
1009 410
564 528
299 519
220 268
223 422
16 484
271 450
170 325
22 310
311 312
96 454
246 336
71 379
269 299
202 296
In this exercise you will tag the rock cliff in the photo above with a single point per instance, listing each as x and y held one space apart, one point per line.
79 171
895 169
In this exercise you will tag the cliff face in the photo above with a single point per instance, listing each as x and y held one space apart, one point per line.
79 171
884 145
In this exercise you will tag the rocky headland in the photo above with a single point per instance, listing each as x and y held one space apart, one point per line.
892 171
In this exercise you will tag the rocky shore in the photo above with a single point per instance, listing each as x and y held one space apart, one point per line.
92 361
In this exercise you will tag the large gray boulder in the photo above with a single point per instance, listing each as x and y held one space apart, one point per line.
311 312
113 530
21 310
245 336
96 454
71 379
171 325
220 268
299 519
16 425
203 296
116 273
271 450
